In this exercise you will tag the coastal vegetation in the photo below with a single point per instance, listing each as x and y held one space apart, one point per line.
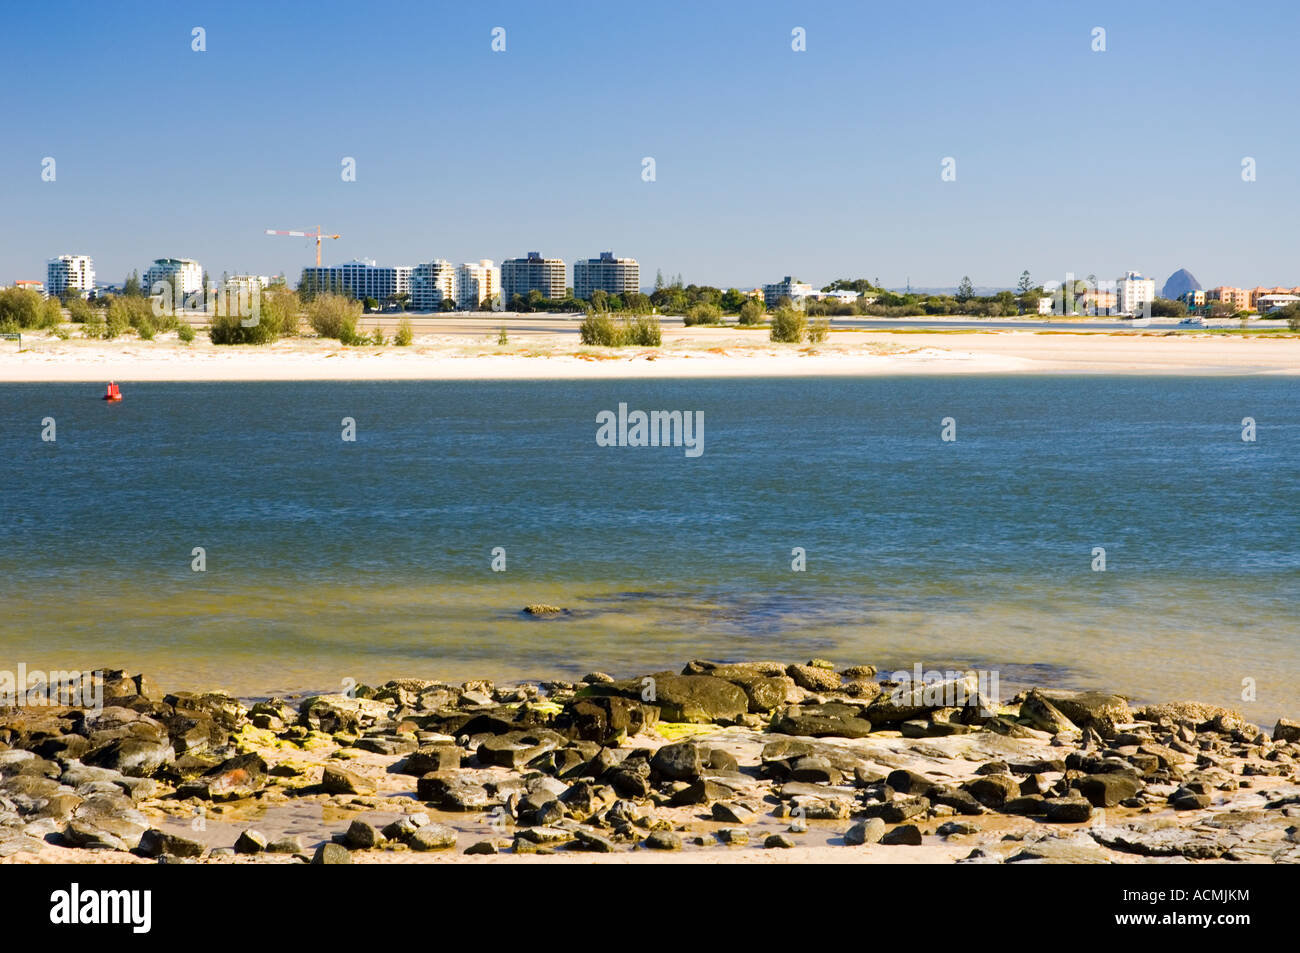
600 329
789 325
404 335
334 316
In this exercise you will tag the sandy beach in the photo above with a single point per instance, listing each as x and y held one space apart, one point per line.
467 349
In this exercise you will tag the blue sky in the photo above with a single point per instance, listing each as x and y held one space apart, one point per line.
821 164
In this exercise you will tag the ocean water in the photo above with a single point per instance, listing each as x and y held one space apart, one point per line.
329 560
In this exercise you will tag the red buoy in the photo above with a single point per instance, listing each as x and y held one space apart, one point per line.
113 393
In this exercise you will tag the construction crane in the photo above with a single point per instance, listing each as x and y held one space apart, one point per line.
318 235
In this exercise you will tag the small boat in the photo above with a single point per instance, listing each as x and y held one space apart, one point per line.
113 393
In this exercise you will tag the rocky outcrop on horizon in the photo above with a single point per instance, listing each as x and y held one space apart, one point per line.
1179 283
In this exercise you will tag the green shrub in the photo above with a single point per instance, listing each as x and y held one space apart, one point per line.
751 312
20 308
78 309
788 325
334 316
118 320
51 314
642 331
144 327
94 328
598 329
503 338
185 332
702 314
404 335
818 329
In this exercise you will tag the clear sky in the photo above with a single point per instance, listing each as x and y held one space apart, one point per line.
823 163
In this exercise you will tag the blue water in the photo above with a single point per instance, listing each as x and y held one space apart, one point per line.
328 559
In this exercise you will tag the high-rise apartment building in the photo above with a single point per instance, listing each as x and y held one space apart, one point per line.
360 279
616 276
1133 293
184 276
70 271
533 273
432 283
477 283
787 287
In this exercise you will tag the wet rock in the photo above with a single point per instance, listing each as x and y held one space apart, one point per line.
703 791
899 810
910 700
1045 716
590 840
156 843
1187 799
362 836
1286 730
605 718
482 848
250 842
869 831
1107 790
1096 710
453 793
682 761
285 845
110 823
136 757
734 836
1072 809
336 780
238 777
907 835
957 829
429 759
814 678
433 837
331 853
993 790
833 720
733 812
778 841
664 840
515 749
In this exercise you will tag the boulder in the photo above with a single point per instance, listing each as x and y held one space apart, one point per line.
156 843
683 761
908 835
238 777
336 780
832 720
865 832
433 837
1045 716
1096 710
1107 790
331 853
604 718
814 678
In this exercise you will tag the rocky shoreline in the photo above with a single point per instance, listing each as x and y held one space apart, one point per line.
758 761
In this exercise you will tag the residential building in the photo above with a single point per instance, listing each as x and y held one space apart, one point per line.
37 286
183 276
616 276
1101 301
1267 303
1046 304
70 271
1236 298
432 283
1193 299
533 273
787 287
1134 293
477 282
360 278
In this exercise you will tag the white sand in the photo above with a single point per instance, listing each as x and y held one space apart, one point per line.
547 351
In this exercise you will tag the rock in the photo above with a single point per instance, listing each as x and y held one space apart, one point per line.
238 777
1107 790
605 718
285 845
677 762
543 609
136 757
483 847
703 791
1068 810
590 840
899 810
764 692
156 843
431 758
993 790
515 749
1096 710
453 793
1045 716
814 769
1286 730
733 812
664 840
912 782
106 823
957 829
734 836
911 700
1185 799
250 842
832 720
337 780
865 832
433 837
782 841
814 678
907 835
362 836
331 853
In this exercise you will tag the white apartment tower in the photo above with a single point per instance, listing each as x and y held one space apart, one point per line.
360 279
1133 293
70 271
432 283
184 276
477 282
533 273
616 276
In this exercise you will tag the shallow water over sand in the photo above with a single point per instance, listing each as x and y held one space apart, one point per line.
329 560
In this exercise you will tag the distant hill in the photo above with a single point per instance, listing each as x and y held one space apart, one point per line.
1179 283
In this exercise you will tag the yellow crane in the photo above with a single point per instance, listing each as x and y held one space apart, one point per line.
318 235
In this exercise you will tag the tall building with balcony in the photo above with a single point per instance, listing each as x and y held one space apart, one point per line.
360 279
787 287
478 285
1236 298
1133 293
533 273
184 276
616 276
432 283
70 271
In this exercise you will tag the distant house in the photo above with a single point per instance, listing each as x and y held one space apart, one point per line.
1268 303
